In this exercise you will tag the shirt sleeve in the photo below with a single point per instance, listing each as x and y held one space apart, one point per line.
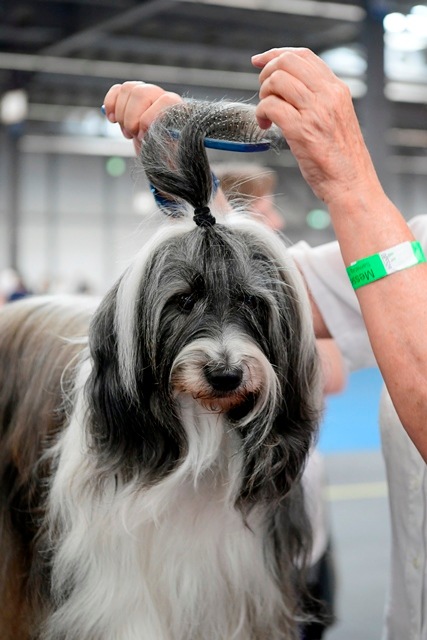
326 277
324 271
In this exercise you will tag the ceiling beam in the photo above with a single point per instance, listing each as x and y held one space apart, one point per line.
129 70
314 8
158 74
121 21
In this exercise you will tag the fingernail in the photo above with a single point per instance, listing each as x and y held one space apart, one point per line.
103 109
111 117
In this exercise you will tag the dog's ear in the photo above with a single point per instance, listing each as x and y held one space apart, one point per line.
123 424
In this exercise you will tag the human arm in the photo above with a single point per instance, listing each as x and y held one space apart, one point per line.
301 95
333 369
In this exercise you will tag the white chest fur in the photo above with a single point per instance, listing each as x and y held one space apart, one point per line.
171 561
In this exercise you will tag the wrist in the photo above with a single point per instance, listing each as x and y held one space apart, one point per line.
379 265
366 222
356 197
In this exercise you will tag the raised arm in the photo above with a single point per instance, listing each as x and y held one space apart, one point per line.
301 95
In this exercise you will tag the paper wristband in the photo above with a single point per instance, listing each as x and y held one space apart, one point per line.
402 256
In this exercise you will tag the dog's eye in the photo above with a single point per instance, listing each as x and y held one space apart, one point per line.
250 301
186 301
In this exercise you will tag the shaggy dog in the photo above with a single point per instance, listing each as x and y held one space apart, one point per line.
151 450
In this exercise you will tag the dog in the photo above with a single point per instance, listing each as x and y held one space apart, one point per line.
152 445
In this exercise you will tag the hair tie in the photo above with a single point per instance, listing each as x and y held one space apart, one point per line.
203 217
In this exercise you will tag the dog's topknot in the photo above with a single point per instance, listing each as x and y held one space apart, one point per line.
173 154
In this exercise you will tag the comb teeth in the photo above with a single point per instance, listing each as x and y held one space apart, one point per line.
233 123
230 126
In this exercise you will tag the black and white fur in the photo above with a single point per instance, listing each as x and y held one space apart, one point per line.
150 474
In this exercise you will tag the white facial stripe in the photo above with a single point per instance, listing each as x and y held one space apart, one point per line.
127 300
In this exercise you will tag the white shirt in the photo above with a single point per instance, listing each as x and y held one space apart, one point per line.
406 608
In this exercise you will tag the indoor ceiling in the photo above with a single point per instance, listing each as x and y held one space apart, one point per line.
59 57
65 54
69 52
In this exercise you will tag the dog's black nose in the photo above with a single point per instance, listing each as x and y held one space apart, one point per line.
223 378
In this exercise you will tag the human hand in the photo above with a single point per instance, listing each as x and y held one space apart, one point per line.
314 110
134 105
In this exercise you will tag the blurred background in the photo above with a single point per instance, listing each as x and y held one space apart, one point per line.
70 197
72 200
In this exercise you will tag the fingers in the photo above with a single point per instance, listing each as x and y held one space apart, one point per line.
302 66
314 110
274 109
263 121
286 86
297 77
152 110
134 105
110 101
115 103
260 59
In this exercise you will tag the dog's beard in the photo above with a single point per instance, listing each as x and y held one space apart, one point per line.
243 384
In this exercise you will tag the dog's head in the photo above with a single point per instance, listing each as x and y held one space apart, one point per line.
216 315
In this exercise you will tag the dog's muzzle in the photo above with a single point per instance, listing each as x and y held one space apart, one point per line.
223 375
222 378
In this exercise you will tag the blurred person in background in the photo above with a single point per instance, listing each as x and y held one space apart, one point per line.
12 286
254 185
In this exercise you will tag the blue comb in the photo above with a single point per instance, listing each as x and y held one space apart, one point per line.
227 145
232 145
241 147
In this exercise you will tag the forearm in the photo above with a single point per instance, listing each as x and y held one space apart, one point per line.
314 110
394 308
334 373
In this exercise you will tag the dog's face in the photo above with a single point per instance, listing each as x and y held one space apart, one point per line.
226 319
218 315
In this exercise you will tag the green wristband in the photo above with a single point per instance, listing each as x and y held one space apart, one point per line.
402 256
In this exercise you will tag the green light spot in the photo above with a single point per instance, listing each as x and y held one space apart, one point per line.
318 219
115 166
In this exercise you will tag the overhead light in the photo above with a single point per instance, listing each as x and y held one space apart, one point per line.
14 107
419 10
417 23
345 60
394 22
413 23
315 8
